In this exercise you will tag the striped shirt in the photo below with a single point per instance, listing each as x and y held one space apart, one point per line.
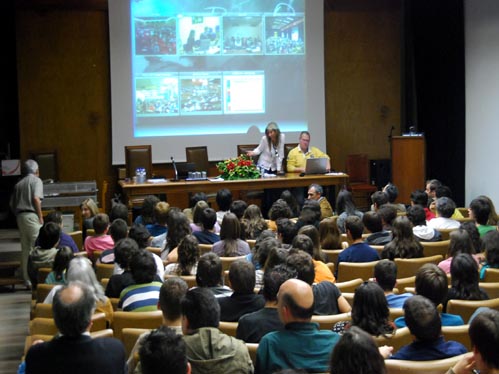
140 297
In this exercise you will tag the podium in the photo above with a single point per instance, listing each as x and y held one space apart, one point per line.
408 165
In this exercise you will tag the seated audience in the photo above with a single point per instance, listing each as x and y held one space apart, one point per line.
178 228
431 282
65 240
420 229
491 248
230 244
223 199
201 317
118 230
316 192
143 295
279 209
238 207
140 234
293 204
120 280
74 349
445 209
327 297
260 255
301 345
193 200
378 199
424 323
197 213
188 257
313 233
243 300
322 271
146 216
210 275
253 326
472 230
43 255
385 274
358 251
159 228
253 222
445 191
374 224
493 217
345 207
309 215
286 232
392 192
388 214
479 211
460 242
207 235
329 234
404 244
420 197
464 280
100 241
89 210
118 211
61 262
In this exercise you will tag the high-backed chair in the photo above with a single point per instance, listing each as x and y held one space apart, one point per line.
42 290
129 337
228 328
47 165
458 334
43 310
138 156
287 148
327 322
189 279
349 286
465 308
46 326
396 313
402 283
491 275
407 267
397 340
243 148
445 233
198 156
357 168
436 248
492 289
205 248
103 271
227 261
421 367
78 238
252 348
42 274
332 255
143 320
352 270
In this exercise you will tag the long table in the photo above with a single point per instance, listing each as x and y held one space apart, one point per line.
133 191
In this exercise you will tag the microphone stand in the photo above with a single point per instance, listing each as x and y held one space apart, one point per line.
176 179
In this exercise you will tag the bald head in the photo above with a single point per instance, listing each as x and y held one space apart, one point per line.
295 301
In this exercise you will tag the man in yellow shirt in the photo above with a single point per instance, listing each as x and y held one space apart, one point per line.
297 156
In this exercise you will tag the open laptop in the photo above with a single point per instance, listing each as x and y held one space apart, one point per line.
316 166
184 168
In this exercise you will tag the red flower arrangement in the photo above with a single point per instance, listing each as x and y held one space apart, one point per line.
241 167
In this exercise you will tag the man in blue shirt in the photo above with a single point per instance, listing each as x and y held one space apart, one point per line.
301 345
385 273
424 323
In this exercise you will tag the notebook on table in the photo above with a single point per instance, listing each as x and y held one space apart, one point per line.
316 165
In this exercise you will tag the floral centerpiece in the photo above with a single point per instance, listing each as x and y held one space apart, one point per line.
241 167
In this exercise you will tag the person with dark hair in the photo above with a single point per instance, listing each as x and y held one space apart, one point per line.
143 296
118 210
178 228
491 248
188 257
209 275
292 201
197 217
252 222
253 326
279 209
392 192
479 211
208 349
472 230
123 278
460 242
328 298
345 207
322 271
259 258
464 280
329 234
230 244
316 192
163 348
420 230
146 216
374 224
358 251
100 241
74 350
207 235
404 244
141 235
423 321
378 198
193 200
445 191
369 312
445 209
60 265
286 231
420 197
431 187
118 230
388 213
43 255
301 345
243 300
357 352
223 199
65 240
484 336
385 274
238 207
26 204
310 214
431 282
493 217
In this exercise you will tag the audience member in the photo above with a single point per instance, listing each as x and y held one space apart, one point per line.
322 271
445 191
100 241
493 217
208 349
197 214
424 323
141 235
60 265
301 345
431 188
207 235
178 228
253 222
188 257
193 200
118 211
479 211
378 199
146 216
388 214
118 230
74 349
445 209
329 234
345 207
392 192
374 224
279 209
260 256
158 228
238 207
89 210
310 214
460 242
65 240
420 197
491 248
404 244
43 255
313 233
316 192
385 273
120 280
243 300
292 201
472 230
286 231
209 275
253 326
230 244
421 231
223 199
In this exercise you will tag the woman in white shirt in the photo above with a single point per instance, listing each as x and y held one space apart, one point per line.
270 149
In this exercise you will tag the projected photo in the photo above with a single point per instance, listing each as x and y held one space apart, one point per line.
200 95
285 35
244 92
199 35
242 35
155 36
156 96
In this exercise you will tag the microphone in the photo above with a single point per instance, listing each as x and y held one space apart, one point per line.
174 169
391 132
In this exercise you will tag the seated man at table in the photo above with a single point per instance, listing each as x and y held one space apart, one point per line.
297 156
316 192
